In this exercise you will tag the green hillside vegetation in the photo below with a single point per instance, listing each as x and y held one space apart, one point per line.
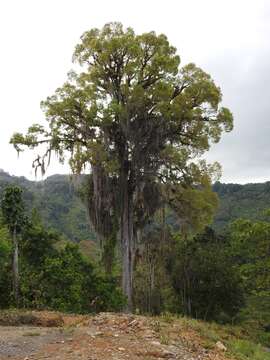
174 271
56 201
61 208
241 201
39 270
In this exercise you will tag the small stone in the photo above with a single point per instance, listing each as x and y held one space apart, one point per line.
168 354
121 349
148 334
155 343
93 334
172 348
220 346
133 322
98 333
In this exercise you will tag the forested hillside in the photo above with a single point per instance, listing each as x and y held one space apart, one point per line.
241 201
57 201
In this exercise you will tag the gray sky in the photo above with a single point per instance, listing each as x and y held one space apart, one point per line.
227 38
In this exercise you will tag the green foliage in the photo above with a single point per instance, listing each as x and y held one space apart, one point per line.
194 206
204 277
5 266
247 350
251 248
248 248
53 277
67 282
153 291
63 278
190 275
242 342
37 242
241 201
109 296
13 208
59 207
5 244
133 91
57 203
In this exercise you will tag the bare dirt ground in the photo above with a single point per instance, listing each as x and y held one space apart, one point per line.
102 337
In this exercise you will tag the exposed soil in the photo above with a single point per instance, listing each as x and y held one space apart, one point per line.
103 337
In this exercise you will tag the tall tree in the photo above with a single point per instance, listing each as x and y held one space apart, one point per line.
138 120
13 214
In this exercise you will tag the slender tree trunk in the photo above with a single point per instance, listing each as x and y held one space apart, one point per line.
127 241
15 266
152 284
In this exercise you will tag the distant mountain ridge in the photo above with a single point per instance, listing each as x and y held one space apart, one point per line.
60 207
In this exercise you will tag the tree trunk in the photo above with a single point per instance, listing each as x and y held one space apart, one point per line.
15 267
100 215
127 241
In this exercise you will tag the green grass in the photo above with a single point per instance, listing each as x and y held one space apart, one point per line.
32 333
247 350
164 339
242 342
245 342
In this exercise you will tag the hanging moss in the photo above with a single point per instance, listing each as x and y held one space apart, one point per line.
100 197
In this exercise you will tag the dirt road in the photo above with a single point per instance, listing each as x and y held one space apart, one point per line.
103 337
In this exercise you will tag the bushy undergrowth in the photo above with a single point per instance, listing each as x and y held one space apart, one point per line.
245 342
53 277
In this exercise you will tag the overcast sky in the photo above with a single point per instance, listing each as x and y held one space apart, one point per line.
228 39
